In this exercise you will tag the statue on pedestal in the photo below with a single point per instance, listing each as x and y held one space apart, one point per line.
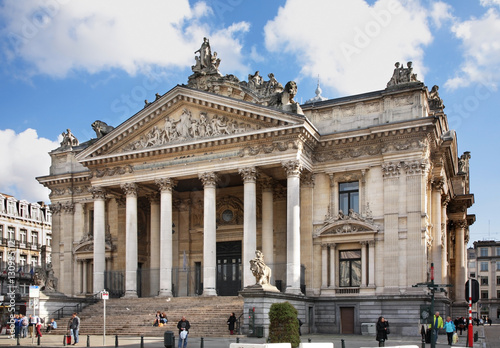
260 270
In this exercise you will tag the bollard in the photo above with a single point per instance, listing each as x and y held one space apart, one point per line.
342 343
201 342
88 341
116 340
423 342
237 340
64 341
18 341
142 341
309 340
38 341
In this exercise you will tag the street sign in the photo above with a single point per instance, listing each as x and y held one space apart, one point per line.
105 295
33 303
474 292
425 314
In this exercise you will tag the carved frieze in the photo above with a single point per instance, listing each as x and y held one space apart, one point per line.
268 148
99 173
415 167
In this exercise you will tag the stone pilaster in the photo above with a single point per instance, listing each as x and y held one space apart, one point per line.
267 223
154 247
333 265
209 181
131 257
324 266
249 176
99 196
437 246
371 264
307 180
363 264
293 169
460 227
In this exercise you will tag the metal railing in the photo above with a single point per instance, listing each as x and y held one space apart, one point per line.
70 309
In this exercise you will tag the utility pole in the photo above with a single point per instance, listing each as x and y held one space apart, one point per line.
433 288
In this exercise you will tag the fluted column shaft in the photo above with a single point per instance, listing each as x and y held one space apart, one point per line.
99 196
293 169
154 248
166 185
131 257
209 235
249 176
371 263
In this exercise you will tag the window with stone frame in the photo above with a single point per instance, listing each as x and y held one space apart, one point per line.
1 231
34 238
498 266
22 260
349 196
23 234
11 207
484 280
484 266
498 280
483 251
484 294
11 233
472 264
498 251
350 268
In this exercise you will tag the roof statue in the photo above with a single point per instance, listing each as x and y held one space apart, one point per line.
402 75
101 128
69 140
435 102
207 77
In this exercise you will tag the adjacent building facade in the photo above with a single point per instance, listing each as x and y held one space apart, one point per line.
484 266
349 199
26 235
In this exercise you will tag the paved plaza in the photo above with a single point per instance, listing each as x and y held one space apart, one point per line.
489 337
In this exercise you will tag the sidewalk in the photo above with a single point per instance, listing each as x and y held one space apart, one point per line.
489 337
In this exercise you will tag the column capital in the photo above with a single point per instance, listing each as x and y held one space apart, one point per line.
307 179
437 183
391 169
97 192
249 174
154 198
267 183
165 184
209 179
292 168
130 189
68 207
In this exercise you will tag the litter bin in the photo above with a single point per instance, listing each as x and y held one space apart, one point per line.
168 339
259 331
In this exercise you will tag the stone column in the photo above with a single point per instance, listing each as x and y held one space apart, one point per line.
99 196
267 224
154 257
444 235
324 265
293 169
249 176
371 264
131 258
333 265
166 185
460 274
363 264
437 246
209 236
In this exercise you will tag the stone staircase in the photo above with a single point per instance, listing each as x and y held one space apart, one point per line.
124 316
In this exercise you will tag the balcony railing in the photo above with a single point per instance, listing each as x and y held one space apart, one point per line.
20 245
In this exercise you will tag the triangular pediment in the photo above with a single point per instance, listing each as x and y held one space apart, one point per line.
186 117
341 224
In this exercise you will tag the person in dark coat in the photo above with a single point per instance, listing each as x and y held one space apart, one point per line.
382 327
230 323
183 326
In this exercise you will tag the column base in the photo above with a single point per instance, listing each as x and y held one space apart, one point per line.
165 293
209 292
130 294
293 291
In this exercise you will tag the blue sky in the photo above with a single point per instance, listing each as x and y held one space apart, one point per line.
66 63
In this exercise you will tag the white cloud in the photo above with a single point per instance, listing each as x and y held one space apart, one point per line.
58 36
441 12
24 157
481 50
487 3
351 44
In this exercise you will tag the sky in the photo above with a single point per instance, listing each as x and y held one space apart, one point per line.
66 63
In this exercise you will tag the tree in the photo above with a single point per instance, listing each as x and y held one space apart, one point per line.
284 324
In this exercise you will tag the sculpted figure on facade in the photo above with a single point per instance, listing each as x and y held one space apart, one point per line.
260 270
69 139
101 128
402 75
435 102
284 100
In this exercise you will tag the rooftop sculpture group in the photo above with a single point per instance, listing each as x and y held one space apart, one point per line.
402 75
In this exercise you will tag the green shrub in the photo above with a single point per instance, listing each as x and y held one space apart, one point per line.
284 325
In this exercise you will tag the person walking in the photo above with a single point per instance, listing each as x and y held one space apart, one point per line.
382 331
437 323
183 326
230 323
449 327
75 326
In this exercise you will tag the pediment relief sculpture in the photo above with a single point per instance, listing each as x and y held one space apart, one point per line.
189 126
352 222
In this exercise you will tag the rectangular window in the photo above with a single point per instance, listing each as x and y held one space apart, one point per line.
483 251
34 238
484 266
484 294
11 233
498 251
484 280
350 268
349 196
472 264
1 231
22 236
498 280
22 260
473 275
498 266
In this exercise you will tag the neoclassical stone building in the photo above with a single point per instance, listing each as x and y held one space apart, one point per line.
349 199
